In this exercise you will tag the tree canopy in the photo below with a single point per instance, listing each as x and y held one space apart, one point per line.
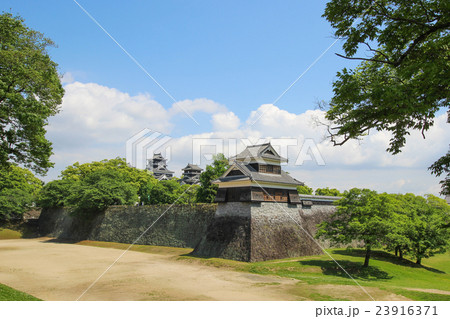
168 192
409 224
18 191
403 78
207 191
100 189
328 192
92 187
362 215
30 92
304 189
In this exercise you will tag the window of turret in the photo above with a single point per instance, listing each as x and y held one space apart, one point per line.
274 169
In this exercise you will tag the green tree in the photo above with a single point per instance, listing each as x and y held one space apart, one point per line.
92 187
362 215
402 81
137 177
55 193
18 190
304 189
169 192
398 239
100 189
207 191
13 203
430 233
328 192
442 166
30 92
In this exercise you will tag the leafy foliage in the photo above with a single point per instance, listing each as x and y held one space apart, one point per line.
13 203
100 189
430 234
404 80
169 192
442 166
30 92
328 192
304 189
55 193
207 191
362 215
18 190
92 187
410 224
137 177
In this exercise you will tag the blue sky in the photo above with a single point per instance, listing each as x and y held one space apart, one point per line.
238 53
224 61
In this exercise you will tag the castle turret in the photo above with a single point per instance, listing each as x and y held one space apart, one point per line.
255 175
191 174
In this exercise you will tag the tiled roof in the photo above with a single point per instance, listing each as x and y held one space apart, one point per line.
257 151
192 167
162 171
157 156
251 174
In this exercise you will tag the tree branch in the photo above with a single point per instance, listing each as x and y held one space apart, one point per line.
365 59
419 39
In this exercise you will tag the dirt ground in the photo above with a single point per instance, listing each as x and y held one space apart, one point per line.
58 271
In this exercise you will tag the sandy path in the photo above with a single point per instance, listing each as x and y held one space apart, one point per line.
54 271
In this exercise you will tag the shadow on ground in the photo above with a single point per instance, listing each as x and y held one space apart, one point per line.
355 269
60 241
384 256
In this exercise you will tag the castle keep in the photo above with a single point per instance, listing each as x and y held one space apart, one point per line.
158 165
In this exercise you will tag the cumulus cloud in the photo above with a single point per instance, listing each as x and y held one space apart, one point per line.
94 113
96 121
225 121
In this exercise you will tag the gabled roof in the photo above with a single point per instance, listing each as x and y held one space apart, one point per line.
161 170
249 173
192 167
158 156
194 179
259 151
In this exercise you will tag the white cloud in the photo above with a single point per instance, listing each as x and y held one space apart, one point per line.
92 113
225 121
96 121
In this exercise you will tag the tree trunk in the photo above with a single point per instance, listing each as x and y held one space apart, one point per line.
401 254
396 251
366 260
419 260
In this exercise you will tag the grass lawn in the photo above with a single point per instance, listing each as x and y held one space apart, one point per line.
9 234
10 294
426 282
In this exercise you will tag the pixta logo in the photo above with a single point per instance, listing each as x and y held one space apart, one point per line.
143 145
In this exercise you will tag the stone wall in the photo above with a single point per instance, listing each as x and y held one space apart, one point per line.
180 226
246 231
262 231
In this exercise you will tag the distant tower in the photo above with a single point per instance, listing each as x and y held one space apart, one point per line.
191 174
158 165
